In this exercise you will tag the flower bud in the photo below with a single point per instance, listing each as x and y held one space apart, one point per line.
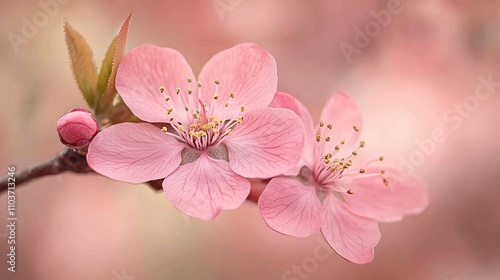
77 128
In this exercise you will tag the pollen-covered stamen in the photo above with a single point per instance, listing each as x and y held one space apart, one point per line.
207 124
330 168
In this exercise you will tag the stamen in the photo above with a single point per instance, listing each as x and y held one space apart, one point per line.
162 89
349 191
164 129
329 126
386 181
189 79
177 90
217 82
242 108
231 95
355 128
381 158
361 171
321 123
318 137
362 144
199 84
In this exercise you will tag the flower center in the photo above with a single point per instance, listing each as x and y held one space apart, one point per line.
330 167
206 125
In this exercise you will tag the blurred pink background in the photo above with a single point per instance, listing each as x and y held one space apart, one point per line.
408 82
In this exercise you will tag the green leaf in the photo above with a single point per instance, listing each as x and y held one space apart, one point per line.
105 71
110 65
82 63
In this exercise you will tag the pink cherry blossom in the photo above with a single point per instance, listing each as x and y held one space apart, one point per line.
210 134
335 191
77 128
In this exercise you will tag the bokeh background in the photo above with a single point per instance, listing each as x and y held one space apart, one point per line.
409 80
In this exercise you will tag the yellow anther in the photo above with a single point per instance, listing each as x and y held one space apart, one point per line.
318 137
355 128
240 120
231 95
189 79
228 131
342 142
169 111
321 123
164 129
337 148
162 89
167 98
190 91
215 131
242 108
361 171
226 104
216 96
349 191
354 153
327 139
199 84
177 90
362 144
186 108
327 161
349 163
329 126
381 158
181 128
217 82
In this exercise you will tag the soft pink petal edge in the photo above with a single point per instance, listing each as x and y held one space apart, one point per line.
290 208
285 100
141 74
134 153
372 198
352 237
204 187
268 143
246 69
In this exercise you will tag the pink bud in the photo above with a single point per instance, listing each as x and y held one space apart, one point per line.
77 128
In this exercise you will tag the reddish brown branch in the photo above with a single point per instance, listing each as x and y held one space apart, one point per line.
71 161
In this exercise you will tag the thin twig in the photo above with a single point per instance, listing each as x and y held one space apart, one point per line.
71 161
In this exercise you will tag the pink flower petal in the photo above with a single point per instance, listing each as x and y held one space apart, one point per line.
141 74
342 112
267 143
291 208
351 236
205 187
247 70
373 199
134 153
285 100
